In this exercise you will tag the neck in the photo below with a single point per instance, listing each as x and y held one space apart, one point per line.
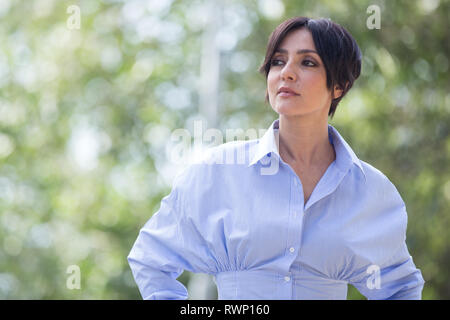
305 143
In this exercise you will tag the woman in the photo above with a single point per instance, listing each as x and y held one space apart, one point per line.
302 216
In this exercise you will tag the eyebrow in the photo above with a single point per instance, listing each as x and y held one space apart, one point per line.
281 50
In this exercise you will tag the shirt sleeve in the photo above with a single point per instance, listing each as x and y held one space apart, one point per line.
166 246
399 279
394 276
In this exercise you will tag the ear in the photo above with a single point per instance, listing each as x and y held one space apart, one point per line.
337 92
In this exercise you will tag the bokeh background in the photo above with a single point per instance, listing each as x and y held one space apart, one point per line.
87 114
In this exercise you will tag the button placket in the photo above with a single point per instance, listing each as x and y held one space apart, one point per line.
295 226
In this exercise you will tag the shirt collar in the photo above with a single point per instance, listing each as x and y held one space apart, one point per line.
345 156
269 144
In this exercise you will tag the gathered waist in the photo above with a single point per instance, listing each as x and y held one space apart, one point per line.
266 285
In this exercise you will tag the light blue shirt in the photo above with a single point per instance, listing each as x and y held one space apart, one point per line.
243 220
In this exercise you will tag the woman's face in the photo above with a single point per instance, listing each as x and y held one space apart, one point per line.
302 72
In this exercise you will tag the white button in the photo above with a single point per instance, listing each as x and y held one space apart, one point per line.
291 249
295 182
287 278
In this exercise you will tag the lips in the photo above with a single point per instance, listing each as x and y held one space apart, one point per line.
285 91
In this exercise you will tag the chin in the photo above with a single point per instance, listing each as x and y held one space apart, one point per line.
289 110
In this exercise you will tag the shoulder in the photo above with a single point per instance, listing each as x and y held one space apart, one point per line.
378 216
376 200
384 204
213 163
231 154
377 180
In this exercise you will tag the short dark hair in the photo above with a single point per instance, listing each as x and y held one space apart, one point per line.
335 45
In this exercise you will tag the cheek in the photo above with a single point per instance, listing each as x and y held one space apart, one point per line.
311 79
272 87
271 82
316 81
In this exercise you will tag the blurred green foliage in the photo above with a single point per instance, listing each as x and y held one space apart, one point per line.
85 116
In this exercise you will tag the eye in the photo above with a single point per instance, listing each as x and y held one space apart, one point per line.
306 62
311 64
274 62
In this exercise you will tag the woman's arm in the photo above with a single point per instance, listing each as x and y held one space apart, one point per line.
392 274
398 279
168 244
155 259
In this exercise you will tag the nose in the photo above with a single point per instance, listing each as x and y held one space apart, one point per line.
288 73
